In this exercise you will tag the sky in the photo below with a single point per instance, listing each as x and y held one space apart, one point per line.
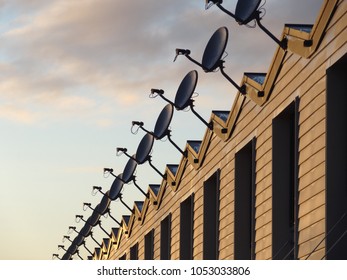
74 74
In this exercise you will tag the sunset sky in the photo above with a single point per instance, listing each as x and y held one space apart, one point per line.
75 73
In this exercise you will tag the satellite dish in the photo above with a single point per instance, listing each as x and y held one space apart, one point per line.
115 190
212 56
144 149
125 178
246 11
129 170
163 122
214 50
185 90
94 218
184 99
72 249
184 94
104 204
116 187
143 152
99 210
78 240
66 256
161 128
86 230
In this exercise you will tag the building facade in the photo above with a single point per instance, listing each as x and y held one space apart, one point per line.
269 181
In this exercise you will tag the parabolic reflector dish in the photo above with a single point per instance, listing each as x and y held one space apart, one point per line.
144 149
104 203
163 122
129 170
246 10
116 187
215 49
186 90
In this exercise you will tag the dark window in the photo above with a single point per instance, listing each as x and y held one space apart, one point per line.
134 251
186 228
149 245
124 257
284 183
244 245
211 218
336 173
165 238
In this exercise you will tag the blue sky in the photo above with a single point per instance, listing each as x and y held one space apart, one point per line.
74 74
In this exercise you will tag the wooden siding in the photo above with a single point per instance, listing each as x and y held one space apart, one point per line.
299 77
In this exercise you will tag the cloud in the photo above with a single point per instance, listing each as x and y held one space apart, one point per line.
19 115
65 56
66 49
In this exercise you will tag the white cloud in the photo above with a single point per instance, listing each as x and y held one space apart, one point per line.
19 115
63 56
